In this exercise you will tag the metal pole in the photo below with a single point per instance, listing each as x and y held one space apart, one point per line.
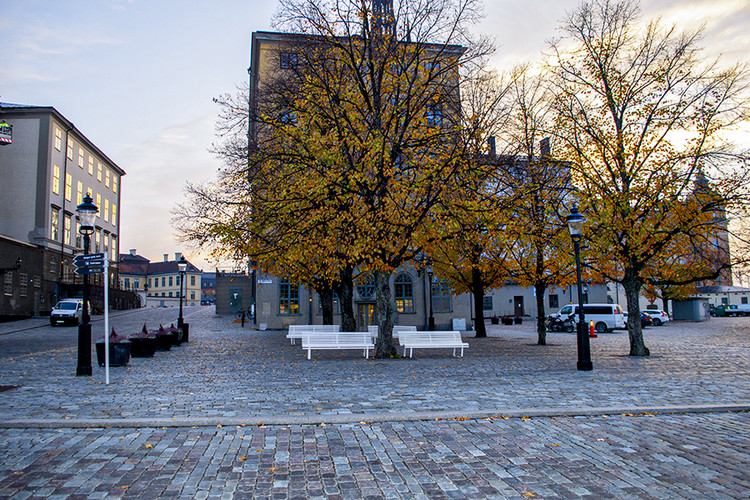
182 282
106 320
584 349
84 329
432 319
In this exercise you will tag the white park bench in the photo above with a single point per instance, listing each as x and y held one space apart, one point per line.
298 331
337 340
431 340
396 330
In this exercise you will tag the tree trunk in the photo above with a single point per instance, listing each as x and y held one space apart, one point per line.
664 304
384 347
345 291
632 286
326 304
541 317
477 288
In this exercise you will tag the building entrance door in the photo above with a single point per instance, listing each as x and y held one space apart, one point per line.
365 315
235 300
518 305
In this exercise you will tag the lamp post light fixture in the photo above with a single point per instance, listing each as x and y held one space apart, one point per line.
19 263
575 226
182 266
86 211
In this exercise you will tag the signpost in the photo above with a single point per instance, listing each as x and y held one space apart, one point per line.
96 263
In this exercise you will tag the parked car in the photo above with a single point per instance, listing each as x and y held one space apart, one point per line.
658 316
646 319
606 317
730 310
66 311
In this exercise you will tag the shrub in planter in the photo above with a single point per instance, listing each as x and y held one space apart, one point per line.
142 344
177 337
495 320
518 320
119 350
163 339
507 320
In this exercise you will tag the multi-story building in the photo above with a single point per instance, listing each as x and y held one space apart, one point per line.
47 168
158 283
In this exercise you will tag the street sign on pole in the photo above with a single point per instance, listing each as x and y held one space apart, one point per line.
80 271
93 259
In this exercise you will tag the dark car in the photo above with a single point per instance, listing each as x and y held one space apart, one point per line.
646 319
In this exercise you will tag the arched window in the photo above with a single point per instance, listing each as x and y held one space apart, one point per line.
288 298
441 297
404 293
366 286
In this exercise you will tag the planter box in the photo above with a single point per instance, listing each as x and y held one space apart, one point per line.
164 342
119 353
495 321
517 320
142 347
507 321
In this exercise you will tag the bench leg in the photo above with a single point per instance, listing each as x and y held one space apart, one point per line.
309 352
454 352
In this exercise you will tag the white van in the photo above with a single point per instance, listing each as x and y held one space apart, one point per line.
606 317
65 311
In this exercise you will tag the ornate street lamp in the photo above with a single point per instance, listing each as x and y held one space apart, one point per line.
182 266
86 216
575 226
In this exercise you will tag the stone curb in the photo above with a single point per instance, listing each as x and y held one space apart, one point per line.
362 417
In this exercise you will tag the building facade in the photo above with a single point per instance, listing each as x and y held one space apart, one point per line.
47 169
159 283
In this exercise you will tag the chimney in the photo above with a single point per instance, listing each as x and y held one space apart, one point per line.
177 255
132 251
166 257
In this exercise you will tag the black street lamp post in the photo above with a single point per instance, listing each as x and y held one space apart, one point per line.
431 321
182 266
575 226
86 215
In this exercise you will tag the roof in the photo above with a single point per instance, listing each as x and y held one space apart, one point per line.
20 109
722 289
169 267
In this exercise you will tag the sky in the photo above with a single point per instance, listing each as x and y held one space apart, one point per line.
137 78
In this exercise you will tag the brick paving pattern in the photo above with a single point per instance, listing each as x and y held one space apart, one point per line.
345 427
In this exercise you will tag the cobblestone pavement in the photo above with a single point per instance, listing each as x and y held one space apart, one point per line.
241 413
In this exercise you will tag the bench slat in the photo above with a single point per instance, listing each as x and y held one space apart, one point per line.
428 340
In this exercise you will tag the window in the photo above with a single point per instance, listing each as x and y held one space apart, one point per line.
487 303
58 139
70 149
78 235
106 177
37 281
113 249
106 242
55 225
79 193
80 157
114 184
434 115
432 66
126 284
66 229
22 286
335 304
52 265
441 297
106 210
288 298
99 200
8 288
366 286
170 294
404 293
156 283
287 60
98 171
192 295
170 281
192 281
91 165
554 301
68 187
743 300
136 283
163 281
724 300
97 241
55 179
